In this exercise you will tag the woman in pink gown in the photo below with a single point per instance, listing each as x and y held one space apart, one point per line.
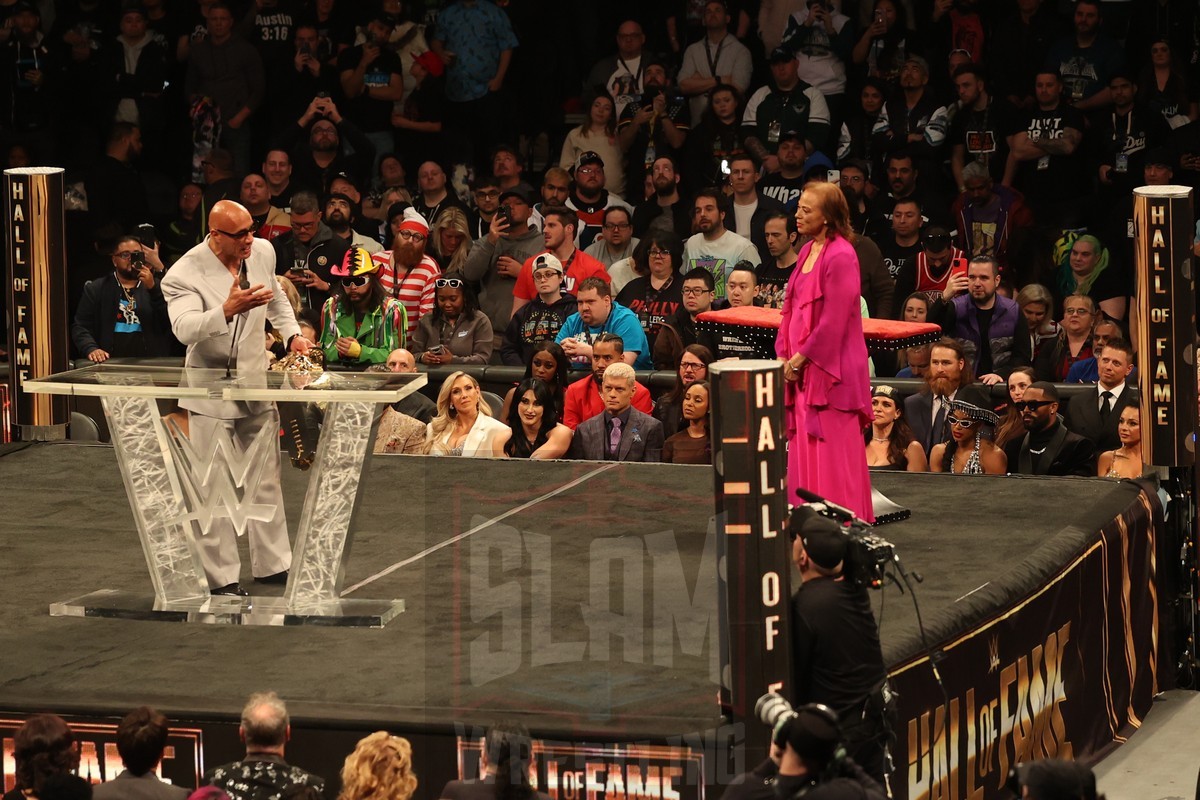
828 389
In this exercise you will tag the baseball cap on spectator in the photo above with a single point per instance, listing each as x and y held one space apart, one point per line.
797 135
781 55
132 8
431 63
547 261
517 193
935 239
588 157
25 7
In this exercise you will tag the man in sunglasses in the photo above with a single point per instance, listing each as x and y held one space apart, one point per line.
220 295
124 313
360 324
1047 448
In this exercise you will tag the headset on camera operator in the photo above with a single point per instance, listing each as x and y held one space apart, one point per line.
836 654
812 757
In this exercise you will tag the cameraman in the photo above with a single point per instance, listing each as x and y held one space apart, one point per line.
835 642
123 314
814 764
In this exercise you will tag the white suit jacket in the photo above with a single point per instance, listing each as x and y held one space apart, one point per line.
196 287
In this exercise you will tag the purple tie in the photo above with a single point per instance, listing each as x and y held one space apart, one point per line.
614 436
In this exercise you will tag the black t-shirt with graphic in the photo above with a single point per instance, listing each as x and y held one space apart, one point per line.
985 134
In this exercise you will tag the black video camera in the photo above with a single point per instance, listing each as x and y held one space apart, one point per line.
812 731
867 553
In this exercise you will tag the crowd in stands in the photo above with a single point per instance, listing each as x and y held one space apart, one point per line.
381 766
388 151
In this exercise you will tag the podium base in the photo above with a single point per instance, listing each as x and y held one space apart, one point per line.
226 610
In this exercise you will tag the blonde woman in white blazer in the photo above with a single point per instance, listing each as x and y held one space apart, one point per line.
464 425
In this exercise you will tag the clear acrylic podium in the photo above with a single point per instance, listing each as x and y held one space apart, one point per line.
176 489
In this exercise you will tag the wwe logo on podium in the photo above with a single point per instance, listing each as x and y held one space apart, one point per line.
221 480
993 654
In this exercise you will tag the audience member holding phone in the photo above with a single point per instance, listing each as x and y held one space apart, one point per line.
457 332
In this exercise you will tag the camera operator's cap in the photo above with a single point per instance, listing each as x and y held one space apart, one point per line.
815 734
547 261
824 540
781 55
1054 779
517 193
589 157
935 238
431 63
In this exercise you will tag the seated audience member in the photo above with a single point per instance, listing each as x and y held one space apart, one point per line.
915 308
677 333
141 740
269 221
360 324
1085 370
968 452
656 294
1047 448
464 425
616 241
541 319
970 310
598 314
930 270
915 360
949 378
620 432
597 135
450 240
1089 269
773 275
693 366
1010 425
1094 415
741 289
457 332
504 770
583 400
381 766
890 442
496 257
1037 306
691 445
1126 460
416 404
550 365
263 773
714 247
558 233
664 210
407 273
123 313
1074 342
305 254
341 217
43 749
988 216
434 195
533 420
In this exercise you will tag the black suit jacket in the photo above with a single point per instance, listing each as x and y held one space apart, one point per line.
1077 456
918 412
95 318
1083 417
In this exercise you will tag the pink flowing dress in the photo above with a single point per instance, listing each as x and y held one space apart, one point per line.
827 410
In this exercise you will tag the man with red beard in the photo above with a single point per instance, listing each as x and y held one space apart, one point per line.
407 274
949 378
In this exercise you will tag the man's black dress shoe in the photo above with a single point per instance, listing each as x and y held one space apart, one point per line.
233 589
279 578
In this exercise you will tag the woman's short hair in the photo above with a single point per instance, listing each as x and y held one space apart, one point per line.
1035 293
834 207
380 768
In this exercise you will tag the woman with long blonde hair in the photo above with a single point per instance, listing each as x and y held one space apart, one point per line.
464 425
380 768
450 240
